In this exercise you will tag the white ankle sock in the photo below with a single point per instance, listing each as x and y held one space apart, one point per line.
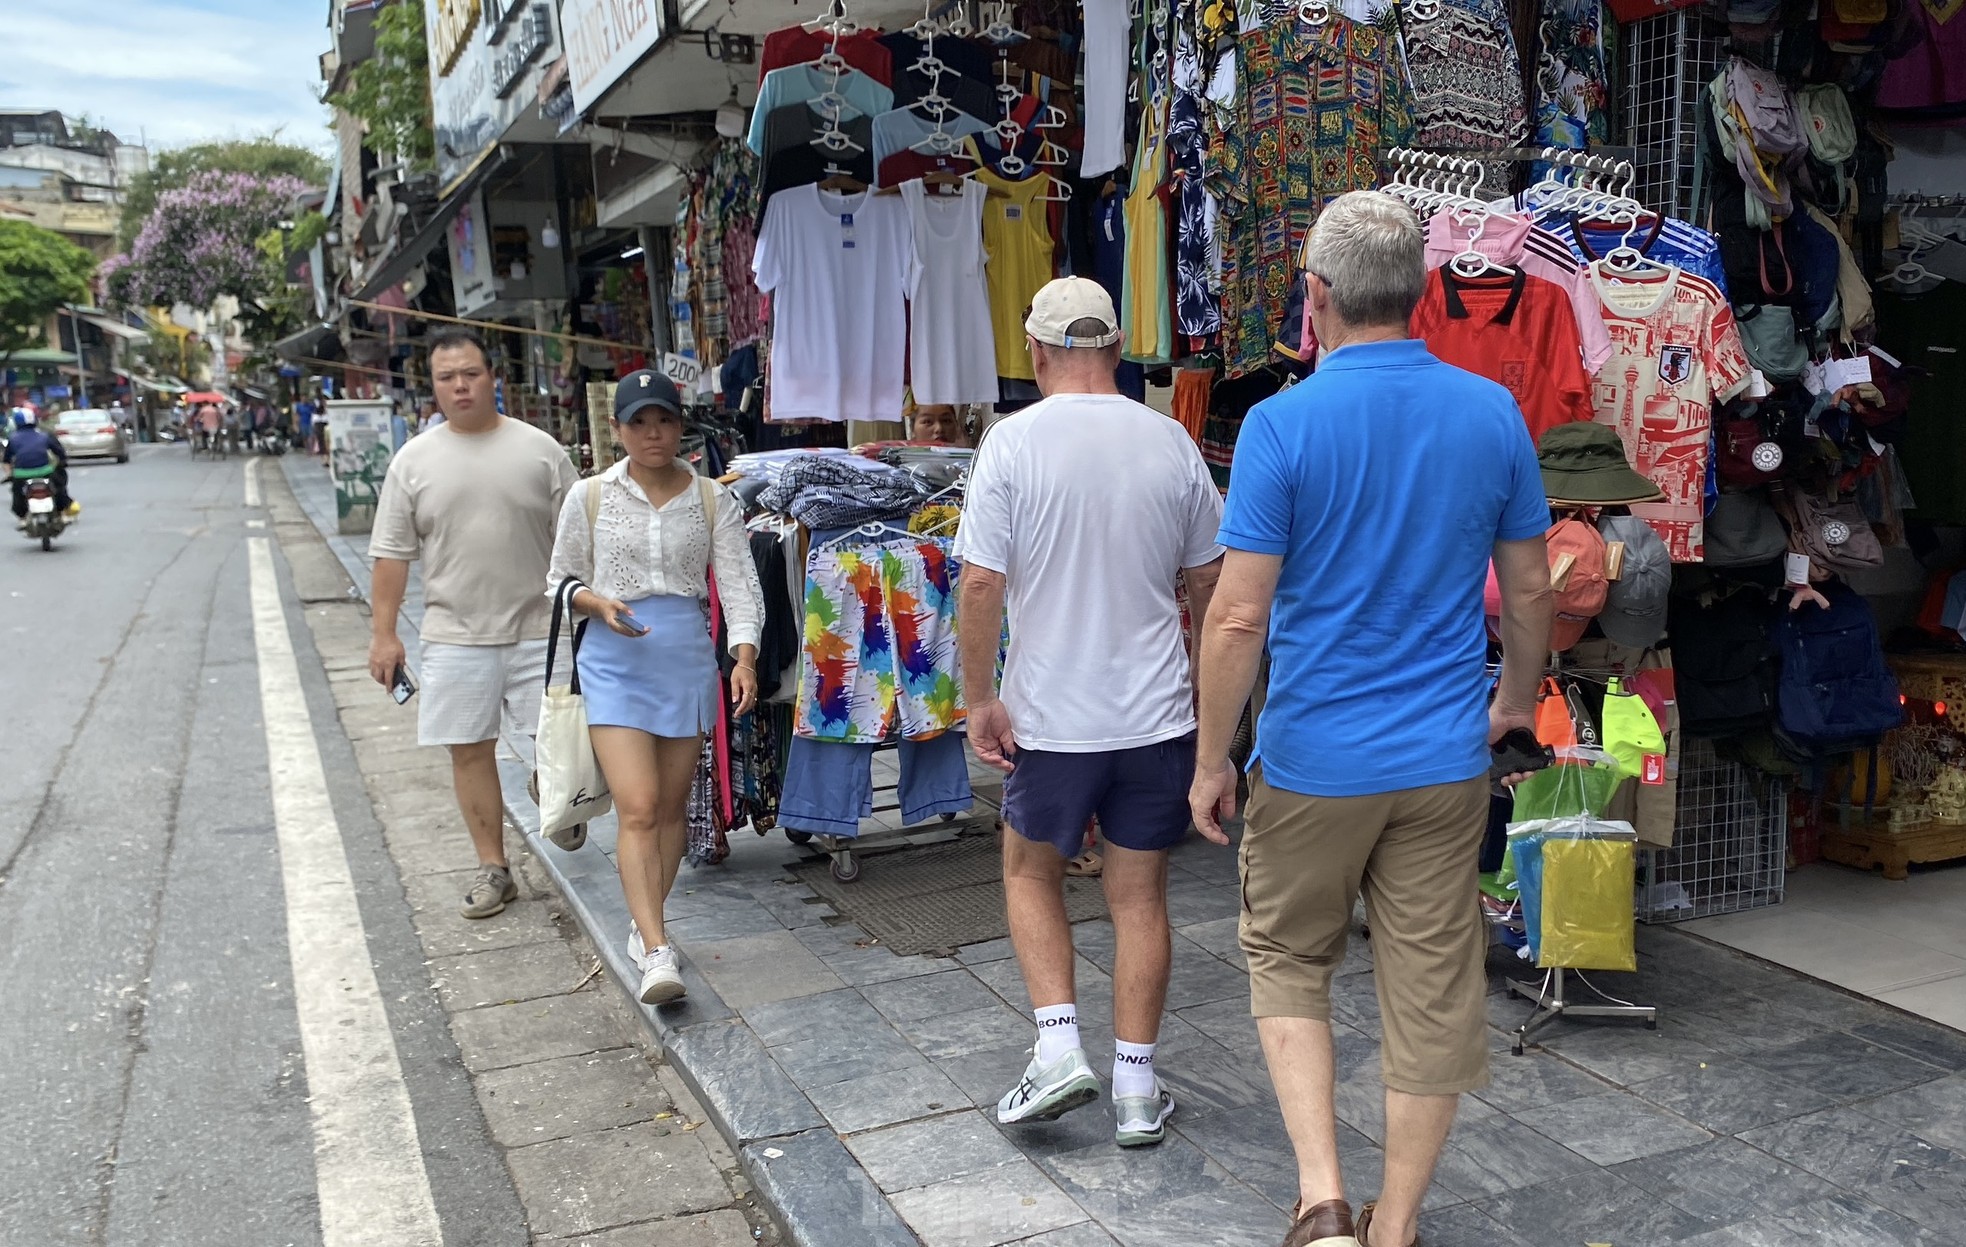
1133 1070
1058 1031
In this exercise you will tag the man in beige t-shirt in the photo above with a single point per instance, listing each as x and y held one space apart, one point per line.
475 501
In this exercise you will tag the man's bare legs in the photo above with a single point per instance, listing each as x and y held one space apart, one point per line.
1304 1072
1416 1130
1034 894
474 775
1136 895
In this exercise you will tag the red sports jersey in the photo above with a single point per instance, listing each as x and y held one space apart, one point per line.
1514 329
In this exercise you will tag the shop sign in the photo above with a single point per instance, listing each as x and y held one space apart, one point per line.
360 441
473 284
532 36
452 23
605 39
479 99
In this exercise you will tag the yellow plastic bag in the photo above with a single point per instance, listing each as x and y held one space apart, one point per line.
1587 898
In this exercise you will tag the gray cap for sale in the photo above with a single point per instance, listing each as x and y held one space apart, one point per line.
1634 611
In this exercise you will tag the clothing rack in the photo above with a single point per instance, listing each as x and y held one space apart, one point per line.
1551 1004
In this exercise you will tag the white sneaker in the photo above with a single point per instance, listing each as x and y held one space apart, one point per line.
1143 1119
1048 1092
637 951
661 981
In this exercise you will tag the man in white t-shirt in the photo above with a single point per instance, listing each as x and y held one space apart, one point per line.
1084 510
475 500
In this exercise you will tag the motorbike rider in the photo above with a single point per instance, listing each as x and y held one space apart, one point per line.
32 453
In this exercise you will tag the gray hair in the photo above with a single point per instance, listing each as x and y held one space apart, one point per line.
1368 247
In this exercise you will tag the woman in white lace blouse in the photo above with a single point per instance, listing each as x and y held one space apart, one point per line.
642 539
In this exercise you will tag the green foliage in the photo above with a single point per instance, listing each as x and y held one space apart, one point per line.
390 92
39 271
265 156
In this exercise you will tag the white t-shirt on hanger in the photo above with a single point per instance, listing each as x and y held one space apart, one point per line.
1108 52
951 351
836 268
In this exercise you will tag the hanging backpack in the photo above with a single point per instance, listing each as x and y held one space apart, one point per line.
1767 108
1831 130
1836 693
1721 662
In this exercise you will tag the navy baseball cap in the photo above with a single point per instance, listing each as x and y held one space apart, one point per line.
647 388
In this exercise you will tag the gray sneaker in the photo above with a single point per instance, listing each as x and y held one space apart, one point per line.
1143 1118
571 838
1048 1092
490 889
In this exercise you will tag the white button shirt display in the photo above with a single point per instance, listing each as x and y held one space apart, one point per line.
636 550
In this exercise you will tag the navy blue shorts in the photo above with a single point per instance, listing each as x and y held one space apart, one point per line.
1140 796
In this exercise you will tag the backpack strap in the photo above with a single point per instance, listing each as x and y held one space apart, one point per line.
1788 270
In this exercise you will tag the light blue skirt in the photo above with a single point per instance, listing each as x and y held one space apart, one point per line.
664 683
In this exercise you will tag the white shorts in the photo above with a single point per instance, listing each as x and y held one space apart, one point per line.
467 691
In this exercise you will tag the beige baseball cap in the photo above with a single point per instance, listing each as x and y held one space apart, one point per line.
1066 301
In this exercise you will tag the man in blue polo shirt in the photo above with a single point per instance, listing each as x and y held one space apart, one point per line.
1366 503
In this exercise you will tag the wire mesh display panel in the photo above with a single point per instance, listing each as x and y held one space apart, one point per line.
1730 843
1668 60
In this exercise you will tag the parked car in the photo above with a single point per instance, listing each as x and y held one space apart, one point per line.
92 433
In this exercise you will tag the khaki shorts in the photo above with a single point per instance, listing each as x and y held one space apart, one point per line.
1305 860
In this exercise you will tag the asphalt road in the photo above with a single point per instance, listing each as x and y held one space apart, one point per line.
153 1068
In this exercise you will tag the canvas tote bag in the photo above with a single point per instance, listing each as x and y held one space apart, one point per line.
572 790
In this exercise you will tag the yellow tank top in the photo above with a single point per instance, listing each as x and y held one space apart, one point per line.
1143 295
1017 236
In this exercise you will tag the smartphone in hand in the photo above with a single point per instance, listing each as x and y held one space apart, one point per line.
1518 752
402 688
631 623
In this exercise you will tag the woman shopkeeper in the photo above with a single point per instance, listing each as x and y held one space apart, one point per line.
642 539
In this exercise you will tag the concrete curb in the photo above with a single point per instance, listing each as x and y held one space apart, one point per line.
805 1177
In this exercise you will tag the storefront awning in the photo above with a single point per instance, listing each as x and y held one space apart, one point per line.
305 343
163 385
110 325
39 357
419 245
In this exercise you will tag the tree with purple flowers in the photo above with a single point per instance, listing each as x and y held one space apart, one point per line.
201 241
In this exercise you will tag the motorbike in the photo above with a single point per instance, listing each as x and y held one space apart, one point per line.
44 521
273 442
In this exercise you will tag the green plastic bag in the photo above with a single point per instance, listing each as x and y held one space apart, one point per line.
1583 781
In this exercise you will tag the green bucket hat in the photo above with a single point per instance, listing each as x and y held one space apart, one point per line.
1585 462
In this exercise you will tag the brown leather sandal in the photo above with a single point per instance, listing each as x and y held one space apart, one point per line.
1365 1224
1328 1224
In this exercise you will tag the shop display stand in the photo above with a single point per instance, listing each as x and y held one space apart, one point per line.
1551 1004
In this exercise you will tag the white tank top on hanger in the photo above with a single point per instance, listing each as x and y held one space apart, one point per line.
952 354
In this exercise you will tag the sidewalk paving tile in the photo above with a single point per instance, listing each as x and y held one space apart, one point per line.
1084 1234
504 975
1928 1041
723 1228
1722 1182
822 1195
1001 1204
1935 1112
1596 1207
780 1022
723 918
886 1099
931 996
950 1036
1218 936
614 1177
546 1100
1728 1096
740 1083
757 969
842 1055
935 1149
853 955
536 1030
1625 1054
1843 1218
1487 1156
1844 1067
1613 1127
1886 1163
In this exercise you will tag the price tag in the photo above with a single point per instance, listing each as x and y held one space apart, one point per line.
1758 386
846 231
1886 356
1842 372
681 370
1013 212
1654 773
1797 569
